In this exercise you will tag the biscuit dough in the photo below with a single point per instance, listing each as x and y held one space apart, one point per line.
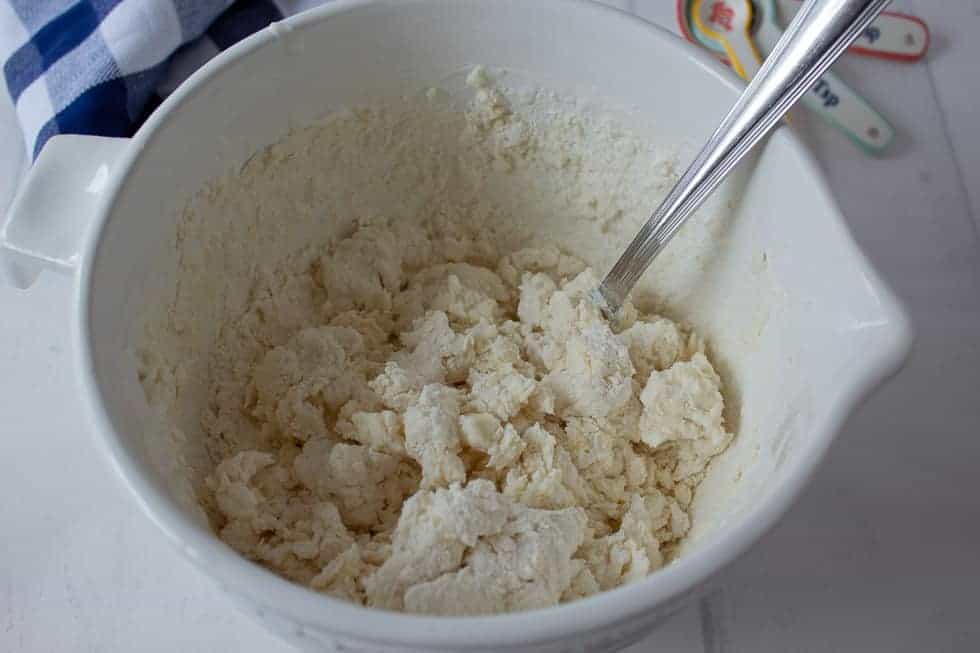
415 418
505 451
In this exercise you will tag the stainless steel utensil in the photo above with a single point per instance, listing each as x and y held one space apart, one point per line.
819 34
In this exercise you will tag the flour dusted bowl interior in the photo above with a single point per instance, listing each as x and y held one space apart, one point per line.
796 322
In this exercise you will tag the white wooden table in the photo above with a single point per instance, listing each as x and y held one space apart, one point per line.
881 554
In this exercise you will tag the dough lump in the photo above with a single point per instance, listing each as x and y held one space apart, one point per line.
504 449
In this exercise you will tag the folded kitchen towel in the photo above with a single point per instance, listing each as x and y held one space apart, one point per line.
102 66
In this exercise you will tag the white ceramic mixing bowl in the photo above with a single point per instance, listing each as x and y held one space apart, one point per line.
801 325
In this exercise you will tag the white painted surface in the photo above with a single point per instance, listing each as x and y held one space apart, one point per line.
881 554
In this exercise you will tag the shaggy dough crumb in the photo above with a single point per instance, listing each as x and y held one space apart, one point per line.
504 451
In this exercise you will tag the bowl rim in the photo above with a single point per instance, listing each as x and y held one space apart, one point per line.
316 612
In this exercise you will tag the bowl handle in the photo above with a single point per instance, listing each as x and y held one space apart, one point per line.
55 204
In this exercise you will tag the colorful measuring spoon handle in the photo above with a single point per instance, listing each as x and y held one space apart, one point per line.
844 108
894 36
830 98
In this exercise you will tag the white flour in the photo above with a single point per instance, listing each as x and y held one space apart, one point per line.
424 413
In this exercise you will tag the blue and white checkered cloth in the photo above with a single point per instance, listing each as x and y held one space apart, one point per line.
102 66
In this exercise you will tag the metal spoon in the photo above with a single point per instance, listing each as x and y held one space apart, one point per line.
734 28
819 34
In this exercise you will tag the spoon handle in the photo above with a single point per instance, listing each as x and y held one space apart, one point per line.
819 34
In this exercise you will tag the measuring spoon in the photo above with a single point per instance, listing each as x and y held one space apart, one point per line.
830 98
729 24
894 36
